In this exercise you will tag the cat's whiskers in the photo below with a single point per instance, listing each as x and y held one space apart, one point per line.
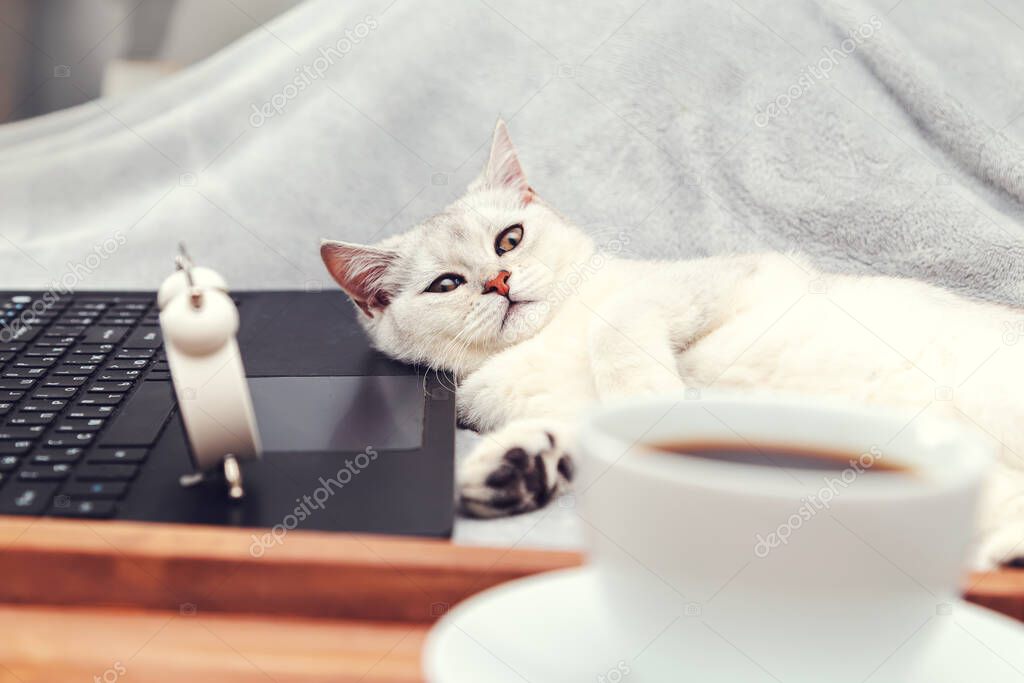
442 357
455 351
467 338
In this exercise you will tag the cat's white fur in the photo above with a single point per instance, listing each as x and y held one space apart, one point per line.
587 325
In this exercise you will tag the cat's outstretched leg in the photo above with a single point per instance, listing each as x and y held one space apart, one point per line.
517 468
630 350
1000 539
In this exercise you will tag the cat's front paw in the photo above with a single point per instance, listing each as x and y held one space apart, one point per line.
1002 547
516 469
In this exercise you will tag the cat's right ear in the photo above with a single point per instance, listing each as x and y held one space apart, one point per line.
503 169
360 272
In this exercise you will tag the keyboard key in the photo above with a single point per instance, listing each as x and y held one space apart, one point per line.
68 369
55 472
12 347
9 463
44 351
85 358
144 338
66 381
117 375
56 342
133 354
103 334
56 457
159 376
21 433
100 399
66 331
5 408
6 395
87 412
19 333
17 498
116 455
44 362
142 418
68 440
22 373
111 490
14 447
26 419
54 392
93 348
76 451
43 406
64 506
88 472
17 384
93 425
137 364
111 388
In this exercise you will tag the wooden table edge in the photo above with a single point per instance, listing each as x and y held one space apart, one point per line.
142 565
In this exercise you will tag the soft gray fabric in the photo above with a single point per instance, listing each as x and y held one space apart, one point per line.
639 118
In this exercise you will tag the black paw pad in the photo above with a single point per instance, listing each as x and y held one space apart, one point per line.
1015 563
503 500
536 480
518 458
502 477
566 467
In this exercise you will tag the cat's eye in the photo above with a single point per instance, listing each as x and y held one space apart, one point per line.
509 239
446 283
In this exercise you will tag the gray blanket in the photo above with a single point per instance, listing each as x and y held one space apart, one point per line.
880 137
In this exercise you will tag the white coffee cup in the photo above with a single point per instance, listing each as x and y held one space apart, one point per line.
716 571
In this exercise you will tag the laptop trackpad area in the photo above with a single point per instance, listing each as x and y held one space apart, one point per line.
332 414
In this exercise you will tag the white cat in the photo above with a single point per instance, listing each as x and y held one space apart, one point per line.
536 323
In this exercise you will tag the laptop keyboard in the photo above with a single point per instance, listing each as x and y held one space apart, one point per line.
84 393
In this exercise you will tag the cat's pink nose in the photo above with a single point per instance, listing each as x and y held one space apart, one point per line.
498 283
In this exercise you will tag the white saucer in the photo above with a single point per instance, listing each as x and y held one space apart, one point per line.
551 628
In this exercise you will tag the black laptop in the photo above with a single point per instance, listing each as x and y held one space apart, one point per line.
353 441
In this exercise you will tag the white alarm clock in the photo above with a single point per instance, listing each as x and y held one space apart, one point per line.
199 322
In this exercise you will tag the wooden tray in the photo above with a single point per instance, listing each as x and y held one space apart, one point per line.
172 602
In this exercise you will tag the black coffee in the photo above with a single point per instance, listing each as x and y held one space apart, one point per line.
776 456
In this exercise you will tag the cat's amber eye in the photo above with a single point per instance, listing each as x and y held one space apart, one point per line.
446 283
509 239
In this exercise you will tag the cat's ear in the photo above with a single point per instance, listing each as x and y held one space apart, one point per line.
503 169
360 272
